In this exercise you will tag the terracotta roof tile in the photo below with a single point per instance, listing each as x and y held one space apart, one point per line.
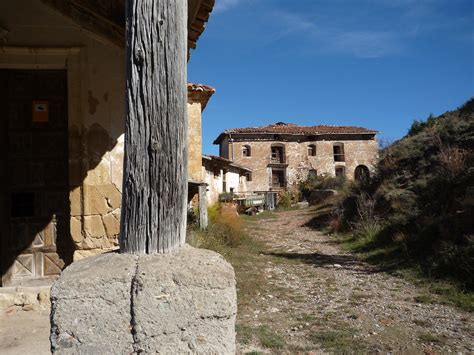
200 93
293 129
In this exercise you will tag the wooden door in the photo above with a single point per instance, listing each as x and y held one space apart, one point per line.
278 178
36 208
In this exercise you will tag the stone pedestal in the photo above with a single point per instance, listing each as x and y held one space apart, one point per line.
184 302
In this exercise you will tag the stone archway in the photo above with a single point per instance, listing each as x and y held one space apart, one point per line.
361 173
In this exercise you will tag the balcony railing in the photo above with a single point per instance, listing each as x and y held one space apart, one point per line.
277 160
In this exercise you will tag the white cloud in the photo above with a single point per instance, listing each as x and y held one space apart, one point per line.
367 44
336 39
224 5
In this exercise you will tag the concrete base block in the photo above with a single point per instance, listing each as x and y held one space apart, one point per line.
184 302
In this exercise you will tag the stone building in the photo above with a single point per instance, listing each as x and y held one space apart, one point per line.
282 154
62 85
222 175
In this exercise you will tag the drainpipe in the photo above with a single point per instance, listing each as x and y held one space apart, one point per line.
232 145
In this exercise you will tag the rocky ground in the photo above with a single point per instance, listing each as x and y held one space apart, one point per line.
317 298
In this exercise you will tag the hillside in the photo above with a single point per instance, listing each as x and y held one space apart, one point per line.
419 205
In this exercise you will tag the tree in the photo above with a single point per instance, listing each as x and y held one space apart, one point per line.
154 197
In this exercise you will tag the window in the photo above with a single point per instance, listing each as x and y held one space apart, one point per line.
338 149
248 176
278 155
246 151
224 180
340 172
312 173
311 150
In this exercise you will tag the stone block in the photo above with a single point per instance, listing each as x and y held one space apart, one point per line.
111 225
194 294
81 254
90 306
101 199
94 227
75 201
184 302
76 230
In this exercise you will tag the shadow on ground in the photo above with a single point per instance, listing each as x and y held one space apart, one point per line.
342 261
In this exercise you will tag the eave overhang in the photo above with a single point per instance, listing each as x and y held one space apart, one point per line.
106 19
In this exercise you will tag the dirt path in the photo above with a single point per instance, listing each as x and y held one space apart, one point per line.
317 298
24 332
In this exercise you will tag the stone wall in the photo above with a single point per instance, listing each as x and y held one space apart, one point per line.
96 87
357 152
194 141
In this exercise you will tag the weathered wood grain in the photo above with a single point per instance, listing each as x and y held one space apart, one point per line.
155 167
203 217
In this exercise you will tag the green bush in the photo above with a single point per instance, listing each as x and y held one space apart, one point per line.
226 197
284 199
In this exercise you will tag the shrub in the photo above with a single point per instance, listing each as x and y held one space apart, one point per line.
421 199
226 197
284 199
321 182
225 229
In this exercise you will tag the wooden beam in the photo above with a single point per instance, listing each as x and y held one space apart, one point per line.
107 18
154 197
104 18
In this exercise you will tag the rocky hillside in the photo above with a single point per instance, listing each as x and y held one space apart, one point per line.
420 202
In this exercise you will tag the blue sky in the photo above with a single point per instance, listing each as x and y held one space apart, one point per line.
373 63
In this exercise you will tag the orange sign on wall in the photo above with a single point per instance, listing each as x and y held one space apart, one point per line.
40 111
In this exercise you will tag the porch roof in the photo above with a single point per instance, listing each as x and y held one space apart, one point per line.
107 18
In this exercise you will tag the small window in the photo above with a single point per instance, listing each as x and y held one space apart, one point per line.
248 176
311 150
338 149
340 172
246 151
312 174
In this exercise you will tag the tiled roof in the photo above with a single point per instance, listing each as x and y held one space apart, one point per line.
224 161
293 129
200 93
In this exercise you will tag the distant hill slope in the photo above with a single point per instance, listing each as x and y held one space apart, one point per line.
420 201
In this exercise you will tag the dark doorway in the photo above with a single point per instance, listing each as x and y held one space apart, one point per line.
278 178
34 178
361 173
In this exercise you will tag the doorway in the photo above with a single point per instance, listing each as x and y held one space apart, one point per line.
34 178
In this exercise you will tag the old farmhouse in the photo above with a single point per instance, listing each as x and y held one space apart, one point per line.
62 85
282 154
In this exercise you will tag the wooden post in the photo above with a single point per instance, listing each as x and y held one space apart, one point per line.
155 168
203 217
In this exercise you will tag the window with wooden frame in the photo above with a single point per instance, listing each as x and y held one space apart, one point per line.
248 176
338 150
246 151
340 172
311 150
